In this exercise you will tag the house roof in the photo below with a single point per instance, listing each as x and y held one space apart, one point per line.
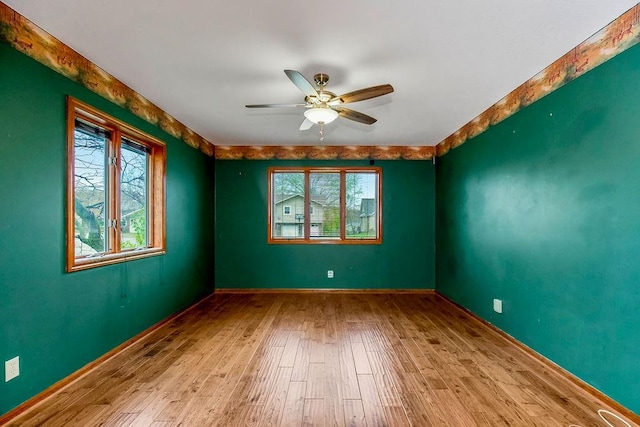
280 198
367 207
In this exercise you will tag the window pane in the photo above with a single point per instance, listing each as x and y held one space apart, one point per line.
133 196
288 205
324 196
362 205
90 204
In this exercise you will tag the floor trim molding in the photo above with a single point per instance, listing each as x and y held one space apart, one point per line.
547 363
54 388
320 291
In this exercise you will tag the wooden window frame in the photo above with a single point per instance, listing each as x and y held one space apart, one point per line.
307 239
156 190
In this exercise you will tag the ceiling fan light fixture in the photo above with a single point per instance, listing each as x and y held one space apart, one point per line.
320 115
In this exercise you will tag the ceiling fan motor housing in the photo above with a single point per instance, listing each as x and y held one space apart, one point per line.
323 97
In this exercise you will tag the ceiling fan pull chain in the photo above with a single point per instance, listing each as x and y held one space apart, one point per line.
321 133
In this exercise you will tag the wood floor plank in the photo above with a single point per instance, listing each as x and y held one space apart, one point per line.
353 413
418 400
274 405
320 358
333 407
313 412
374 412
315 381
349 380
360 359
294 404
290 349
384 380
397 416
50 408
316 342
301 361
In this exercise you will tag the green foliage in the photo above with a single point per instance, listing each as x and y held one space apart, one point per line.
288 183
139 225
369 234
353 190
331 221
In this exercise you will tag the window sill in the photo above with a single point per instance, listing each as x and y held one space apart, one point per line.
108 259
324 241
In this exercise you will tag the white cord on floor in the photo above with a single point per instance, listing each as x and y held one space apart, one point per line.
604 411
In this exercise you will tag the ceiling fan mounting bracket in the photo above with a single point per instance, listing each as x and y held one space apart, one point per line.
321 79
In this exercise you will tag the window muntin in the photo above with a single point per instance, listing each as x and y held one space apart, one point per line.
116 201
342 205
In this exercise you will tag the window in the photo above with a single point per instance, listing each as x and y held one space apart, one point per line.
325 205
115 190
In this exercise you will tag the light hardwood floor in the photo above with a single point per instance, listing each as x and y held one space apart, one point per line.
291 359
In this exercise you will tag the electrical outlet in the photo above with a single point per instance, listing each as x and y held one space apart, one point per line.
330 274
11 369
497 305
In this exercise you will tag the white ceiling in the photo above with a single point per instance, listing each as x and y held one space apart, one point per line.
202 61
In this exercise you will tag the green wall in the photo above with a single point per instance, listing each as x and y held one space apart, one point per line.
542 211
58 322
404 260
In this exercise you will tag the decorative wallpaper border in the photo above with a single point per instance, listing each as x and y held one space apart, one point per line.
615 38
324 152
28 38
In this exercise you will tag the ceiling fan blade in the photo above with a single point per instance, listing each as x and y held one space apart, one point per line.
302 83
306 124
276 105
356 116
362 94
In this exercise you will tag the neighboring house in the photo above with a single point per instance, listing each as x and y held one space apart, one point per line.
368 220
288 216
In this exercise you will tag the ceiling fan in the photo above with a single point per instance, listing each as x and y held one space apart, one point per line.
323 107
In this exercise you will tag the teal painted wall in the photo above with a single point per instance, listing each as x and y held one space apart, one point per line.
404 260
542 211
58 322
